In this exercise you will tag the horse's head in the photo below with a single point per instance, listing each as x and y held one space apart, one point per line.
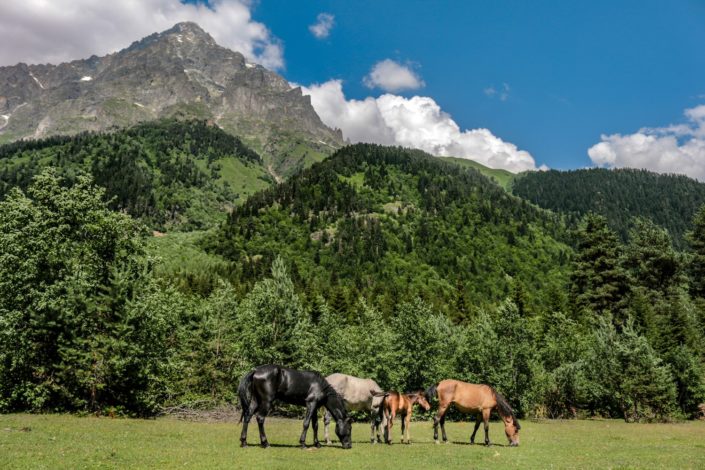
511 429
420 398
343 429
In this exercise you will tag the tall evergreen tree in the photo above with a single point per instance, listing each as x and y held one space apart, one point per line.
598 282
696 238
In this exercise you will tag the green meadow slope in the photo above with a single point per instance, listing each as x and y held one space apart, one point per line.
503 178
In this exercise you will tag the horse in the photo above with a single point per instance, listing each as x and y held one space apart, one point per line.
475 399
359 395
260 387
395 402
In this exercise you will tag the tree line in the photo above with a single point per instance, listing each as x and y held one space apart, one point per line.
86 324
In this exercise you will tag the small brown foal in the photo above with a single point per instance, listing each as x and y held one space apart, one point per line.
395 402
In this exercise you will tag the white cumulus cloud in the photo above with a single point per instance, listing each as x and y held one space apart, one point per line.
677 148
417 122
324 23
41 31
389 75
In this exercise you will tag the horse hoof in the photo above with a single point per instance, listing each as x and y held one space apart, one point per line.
317 445
436 441
303 446
243 444
329 443
264 445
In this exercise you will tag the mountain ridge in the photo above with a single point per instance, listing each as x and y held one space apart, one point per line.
669 200
180 72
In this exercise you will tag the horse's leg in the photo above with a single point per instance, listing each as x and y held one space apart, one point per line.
326 425
310 408
261 415
373 423
314 425
388 429
408 422
443 429
486 419
380 421
246 416
403 425
442 408
477 426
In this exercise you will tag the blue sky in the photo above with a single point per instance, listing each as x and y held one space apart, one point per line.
512 84
575 70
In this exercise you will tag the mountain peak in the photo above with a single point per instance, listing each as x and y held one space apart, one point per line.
189 29
184 33
179 72
187 26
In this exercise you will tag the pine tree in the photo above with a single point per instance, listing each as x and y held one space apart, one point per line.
598 283
696 238
650 259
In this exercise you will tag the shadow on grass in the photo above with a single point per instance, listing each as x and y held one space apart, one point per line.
293 446
480 444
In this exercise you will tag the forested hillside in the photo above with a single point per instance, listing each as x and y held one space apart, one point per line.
378 262
170 174
668 200
389 224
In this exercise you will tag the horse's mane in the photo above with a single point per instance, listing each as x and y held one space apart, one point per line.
505 408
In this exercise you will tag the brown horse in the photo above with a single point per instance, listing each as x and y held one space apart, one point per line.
403 404
475 399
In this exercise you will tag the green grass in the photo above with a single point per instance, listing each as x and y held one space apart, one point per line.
243 178
503 177
357 180
61 441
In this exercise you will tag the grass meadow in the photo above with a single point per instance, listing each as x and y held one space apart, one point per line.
65 441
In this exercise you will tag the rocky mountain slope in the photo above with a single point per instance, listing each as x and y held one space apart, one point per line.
180 72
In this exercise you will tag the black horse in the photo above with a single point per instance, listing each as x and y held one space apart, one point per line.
262 386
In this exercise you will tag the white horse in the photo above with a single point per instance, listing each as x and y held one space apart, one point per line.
358 395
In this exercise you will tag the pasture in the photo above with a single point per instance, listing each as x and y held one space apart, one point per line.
64 441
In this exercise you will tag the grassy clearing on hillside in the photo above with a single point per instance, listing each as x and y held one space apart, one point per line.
61 441
503 177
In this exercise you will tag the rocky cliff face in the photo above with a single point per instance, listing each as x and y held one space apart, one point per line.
179 72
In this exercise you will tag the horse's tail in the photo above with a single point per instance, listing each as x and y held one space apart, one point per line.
245 393
431 392
504 408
